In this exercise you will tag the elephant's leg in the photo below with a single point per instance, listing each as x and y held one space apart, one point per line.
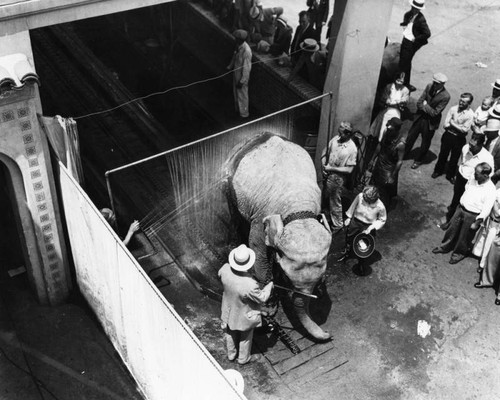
240 226
301 306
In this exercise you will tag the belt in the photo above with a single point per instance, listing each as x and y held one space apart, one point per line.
470 212
299 215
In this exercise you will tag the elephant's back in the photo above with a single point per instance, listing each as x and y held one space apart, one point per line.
274 175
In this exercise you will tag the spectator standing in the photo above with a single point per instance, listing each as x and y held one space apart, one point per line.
394 98
481 115
490 275
318 11
473 154
241 64
366 214
494 111
389 160
416 33
475 205
282 37
304 31
456 126
312 64
495 91
430 105
338 160
491 132
241 303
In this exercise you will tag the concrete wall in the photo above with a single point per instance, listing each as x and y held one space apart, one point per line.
356 58
161 352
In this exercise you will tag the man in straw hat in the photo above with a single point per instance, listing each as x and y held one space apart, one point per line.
430 106
312 64
304 31
241 303
495 91
241 64
415 35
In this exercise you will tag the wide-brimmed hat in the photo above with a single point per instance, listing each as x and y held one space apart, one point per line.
419 4
496 84
282 20
492 124
440 77
363 245
254 11
495 111
240 34
241 258
309 45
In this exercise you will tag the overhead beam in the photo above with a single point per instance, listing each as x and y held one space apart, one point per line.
18 16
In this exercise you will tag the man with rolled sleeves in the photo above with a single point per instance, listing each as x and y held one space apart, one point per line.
430 106
241 304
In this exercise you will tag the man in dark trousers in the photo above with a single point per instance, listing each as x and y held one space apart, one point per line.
318 10
304 31
415 35
457 125
430 106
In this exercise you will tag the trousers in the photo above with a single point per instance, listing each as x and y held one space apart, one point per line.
451 146
420 126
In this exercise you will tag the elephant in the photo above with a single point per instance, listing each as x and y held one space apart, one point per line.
271 181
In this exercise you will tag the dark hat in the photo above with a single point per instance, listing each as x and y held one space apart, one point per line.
395 122
309 45
240 34
363 245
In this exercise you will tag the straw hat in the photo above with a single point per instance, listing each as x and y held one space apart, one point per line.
418 4
309 45
495 111
496 84
241 258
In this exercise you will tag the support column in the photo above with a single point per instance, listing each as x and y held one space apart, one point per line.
356 50
24 150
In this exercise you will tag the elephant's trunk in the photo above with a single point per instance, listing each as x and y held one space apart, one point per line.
301 305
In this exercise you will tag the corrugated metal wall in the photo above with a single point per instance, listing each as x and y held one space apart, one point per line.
163 355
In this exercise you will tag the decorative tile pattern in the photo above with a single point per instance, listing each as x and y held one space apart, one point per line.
40 197
28 138
23 112
33 162
38 186
54 266
36 174
47 228
8 116
44 218
25 125
42 207
31 151
50 247
52 256
48 238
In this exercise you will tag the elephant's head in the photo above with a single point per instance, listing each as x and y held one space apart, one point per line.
301 251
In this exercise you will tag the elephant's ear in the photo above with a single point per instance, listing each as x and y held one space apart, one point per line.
273 227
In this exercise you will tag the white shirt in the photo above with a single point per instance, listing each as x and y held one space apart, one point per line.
341 154
408 30
375 214
468 161
479 198
463 119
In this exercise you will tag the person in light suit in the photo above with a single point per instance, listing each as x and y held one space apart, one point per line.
241 304
241 64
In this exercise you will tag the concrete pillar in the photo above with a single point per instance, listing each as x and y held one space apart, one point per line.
359 33
24 150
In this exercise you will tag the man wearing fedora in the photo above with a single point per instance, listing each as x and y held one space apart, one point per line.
241 304
416 32
430 106
495 91
456 126
304 31
282 37
264 20
241 64
311 65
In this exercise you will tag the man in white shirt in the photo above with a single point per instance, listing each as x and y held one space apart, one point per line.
456 126
473 154
475 205
338 159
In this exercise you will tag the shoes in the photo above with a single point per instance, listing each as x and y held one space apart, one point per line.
478 285
445 226
415 165
253 357
456 258
479 270
497 302
438 250
232 357
435 175
452 180
411 88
